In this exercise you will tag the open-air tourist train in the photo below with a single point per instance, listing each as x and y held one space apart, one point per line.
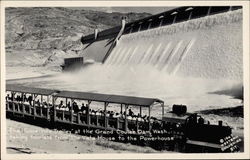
175 131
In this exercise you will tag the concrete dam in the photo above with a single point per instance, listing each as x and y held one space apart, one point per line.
187 41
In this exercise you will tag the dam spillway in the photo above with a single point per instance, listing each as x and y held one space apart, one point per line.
197 44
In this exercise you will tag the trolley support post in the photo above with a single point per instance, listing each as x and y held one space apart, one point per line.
23 104
29 107
54 108
34 107
121 109
162 104
47 100
117 123
71 111
87 115
7 104
63 115
41 111
97 120
126 122
12 101
47 110
78 118
140 111
137 126
66 102
71 115
87 112
149 116
105 112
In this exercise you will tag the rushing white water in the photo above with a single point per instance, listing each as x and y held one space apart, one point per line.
142 81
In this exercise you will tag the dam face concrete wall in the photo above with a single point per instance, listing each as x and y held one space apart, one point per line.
209 47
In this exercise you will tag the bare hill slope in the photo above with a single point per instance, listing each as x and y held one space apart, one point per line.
53 31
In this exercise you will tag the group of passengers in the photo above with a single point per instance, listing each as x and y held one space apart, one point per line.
84 109
28 100
130 115
68 107
19 98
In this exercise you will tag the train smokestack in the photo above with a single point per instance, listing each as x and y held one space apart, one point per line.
220 123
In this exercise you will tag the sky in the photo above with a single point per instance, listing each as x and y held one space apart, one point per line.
152 10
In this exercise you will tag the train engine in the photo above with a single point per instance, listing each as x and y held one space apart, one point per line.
191 133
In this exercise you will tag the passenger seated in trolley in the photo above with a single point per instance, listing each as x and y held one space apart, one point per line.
129 117
8 98
44 104
117 115
60 106
98 113
75 107
18 98
134 118
30 100
25 98
130 112
111 115
69 108
92 112
37 103
84 109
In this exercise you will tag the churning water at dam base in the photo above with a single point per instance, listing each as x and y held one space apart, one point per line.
142 81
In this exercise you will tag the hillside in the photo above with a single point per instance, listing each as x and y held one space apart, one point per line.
23 24
52 31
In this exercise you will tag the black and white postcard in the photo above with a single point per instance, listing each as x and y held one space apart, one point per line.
123 79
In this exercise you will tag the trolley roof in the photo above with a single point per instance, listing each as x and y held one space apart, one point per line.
129 100
22 89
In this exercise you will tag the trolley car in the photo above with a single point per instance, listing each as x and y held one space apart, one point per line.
175 131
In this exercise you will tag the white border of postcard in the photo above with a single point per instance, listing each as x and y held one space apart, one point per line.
246 18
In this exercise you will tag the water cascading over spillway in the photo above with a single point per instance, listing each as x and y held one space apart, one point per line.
157 55
210 47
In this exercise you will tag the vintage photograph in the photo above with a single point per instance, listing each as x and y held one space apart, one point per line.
125 79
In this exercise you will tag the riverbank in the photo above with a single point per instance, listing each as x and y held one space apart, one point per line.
231 112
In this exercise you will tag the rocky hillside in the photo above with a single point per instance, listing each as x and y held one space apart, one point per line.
37 24
55 30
